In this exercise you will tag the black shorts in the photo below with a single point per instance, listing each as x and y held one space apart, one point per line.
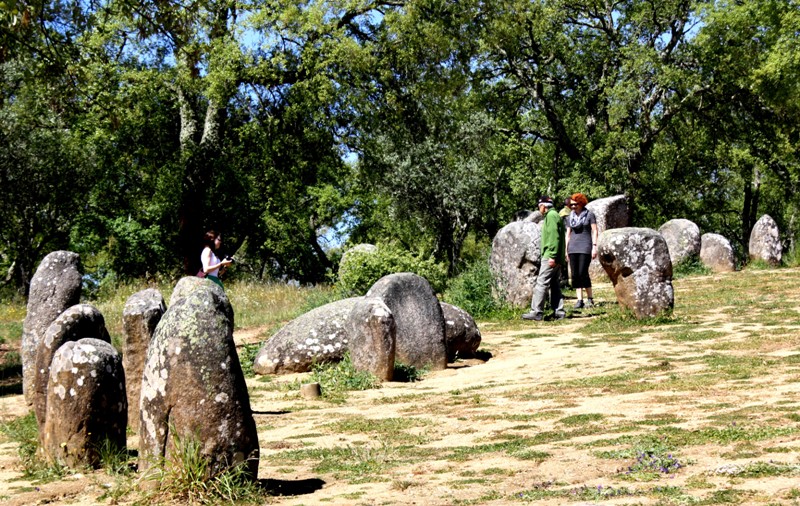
579 264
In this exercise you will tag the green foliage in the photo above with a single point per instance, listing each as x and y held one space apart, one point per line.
691 266
472 291
336 379
25 432
361 269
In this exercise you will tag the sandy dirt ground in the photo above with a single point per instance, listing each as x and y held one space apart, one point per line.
515 392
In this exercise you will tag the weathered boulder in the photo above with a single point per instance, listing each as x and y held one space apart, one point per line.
462 336
716 253
193 385
418 316
185 286
75 323
514 261
86 403
611 212
317 336
765 241
637 261
55 286
143 310
683 239
372 332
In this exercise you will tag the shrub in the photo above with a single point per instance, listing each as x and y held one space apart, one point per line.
472 291
359 270
691 266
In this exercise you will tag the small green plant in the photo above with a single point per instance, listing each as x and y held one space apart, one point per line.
472 291
336 379
187 477
247 356
115 460
407 373
691 266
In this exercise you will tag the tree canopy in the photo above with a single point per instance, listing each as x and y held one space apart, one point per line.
128 127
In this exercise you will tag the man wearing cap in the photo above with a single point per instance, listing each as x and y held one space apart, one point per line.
553 259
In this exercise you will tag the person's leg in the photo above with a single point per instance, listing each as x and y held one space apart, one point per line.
543 283
556 297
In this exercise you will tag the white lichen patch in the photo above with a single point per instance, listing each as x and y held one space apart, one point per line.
60 391
221 397
80 381
72 392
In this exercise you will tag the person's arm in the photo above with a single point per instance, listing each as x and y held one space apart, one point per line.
205 257
595 234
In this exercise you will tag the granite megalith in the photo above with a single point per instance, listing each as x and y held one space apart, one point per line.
55 286
514 261
140 316
611 212
317 336
462 335
193 387
86 404
716 253
418 317
637 262
765 241
683 239
372 330
75 323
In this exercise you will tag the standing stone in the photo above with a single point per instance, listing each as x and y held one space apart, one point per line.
514 261
86 404
193 385
716 253
765 241
637 261
55 287
418 316
185 286
143 310
77 322
318 336
462 335
372 331
611 212
683 239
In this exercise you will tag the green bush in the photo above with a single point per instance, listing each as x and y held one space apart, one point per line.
472 291
690 266
359 270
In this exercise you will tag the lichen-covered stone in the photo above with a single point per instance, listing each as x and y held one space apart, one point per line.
765 241
143 310
611 212
55 286
514 261
86 403
185 286
637 261
372 332
77 322
462 335
716 253
418 317
318 336
683 239
193 385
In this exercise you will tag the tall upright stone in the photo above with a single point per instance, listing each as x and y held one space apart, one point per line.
140 316
637 261
55 286
683 239
716 253
86 404
372 330
193 386
765 241
611 212
514 261
420 340
77 322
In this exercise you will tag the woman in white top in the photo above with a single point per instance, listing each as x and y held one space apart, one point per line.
211 264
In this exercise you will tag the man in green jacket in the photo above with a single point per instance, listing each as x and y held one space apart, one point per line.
553 259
